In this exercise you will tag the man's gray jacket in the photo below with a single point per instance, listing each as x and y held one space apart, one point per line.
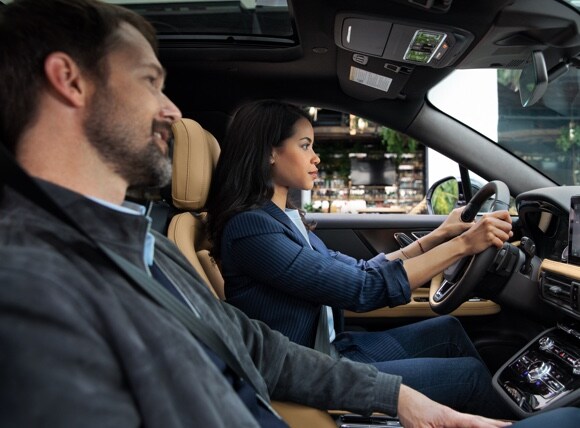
81 346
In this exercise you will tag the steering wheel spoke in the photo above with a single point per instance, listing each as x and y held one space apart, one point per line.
460 279
444 289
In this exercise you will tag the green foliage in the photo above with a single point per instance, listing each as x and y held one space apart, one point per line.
333 161
509 77
445 197
569 137
397 143
309 208
569 141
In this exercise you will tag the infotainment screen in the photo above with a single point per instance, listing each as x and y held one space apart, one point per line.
574 231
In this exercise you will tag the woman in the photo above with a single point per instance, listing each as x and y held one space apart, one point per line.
278 271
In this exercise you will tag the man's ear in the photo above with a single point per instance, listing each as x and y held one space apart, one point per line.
65 79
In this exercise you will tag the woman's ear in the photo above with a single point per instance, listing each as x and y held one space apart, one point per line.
273 157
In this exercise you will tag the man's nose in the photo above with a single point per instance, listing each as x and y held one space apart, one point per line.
170 110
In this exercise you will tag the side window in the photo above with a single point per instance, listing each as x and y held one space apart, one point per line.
365 168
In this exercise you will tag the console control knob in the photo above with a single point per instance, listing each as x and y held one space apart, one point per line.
538 370
546 343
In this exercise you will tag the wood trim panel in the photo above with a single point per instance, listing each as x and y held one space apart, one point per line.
565 269
419 307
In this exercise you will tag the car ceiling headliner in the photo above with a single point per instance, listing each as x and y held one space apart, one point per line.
204 78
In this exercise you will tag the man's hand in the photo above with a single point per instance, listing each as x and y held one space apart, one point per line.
417 411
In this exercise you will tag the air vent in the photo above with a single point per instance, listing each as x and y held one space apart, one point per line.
560 290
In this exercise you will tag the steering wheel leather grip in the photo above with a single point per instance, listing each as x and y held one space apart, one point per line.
501 200
461 278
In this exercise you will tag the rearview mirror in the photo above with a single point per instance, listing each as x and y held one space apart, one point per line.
533 79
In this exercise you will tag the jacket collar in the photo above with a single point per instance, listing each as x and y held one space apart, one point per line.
273 210
121 232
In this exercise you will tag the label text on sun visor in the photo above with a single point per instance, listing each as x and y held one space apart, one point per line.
370 79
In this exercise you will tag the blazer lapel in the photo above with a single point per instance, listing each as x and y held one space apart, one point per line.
272 209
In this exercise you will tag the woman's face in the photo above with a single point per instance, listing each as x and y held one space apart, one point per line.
294 162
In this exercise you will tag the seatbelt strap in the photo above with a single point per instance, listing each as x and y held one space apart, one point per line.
14 176
322 340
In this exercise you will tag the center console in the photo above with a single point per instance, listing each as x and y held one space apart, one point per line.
546 373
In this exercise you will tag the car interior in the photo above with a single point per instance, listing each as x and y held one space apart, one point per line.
383 60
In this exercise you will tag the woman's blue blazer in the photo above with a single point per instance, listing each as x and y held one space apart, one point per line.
273 275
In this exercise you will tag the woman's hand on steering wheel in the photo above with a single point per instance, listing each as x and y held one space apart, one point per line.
492 229
453 225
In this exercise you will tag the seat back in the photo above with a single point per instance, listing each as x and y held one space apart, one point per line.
195 155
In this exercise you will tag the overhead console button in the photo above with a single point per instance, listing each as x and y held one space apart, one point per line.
424 45
360 59
365 35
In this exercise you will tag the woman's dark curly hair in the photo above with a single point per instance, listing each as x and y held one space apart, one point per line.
243 179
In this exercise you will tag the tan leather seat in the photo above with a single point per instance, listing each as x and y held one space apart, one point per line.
195 154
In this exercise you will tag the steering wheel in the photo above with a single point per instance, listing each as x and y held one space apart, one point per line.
459 280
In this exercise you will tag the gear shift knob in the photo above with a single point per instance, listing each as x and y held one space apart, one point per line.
529 249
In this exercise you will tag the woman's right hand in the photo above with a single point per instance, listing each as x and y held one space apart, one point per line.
492 229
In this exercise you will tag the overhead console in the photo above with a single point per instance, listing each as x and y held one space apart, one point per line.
379 53
410 43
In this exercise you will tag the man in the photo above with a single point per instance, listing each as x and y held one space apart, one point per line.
81 344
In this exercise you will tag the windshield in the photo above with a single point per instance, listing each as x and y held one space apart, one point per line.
545 135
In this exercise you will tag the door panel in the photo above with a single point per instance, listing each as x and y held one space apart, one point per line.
365 235
496 332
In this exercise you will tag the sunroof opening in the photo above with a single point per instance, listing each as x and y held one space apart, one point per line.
243 21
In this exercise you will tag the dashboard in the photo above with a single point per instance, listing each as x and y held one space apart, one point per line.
544 216
546 372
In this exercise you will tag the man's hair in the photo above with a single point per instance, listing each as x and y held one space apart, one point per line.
30 30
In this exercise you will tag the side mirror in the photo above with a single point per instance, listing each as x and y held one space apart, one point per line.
533 80
443 196
447 194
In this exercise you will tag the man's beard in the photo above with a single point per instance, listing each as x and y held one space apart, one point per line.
116 140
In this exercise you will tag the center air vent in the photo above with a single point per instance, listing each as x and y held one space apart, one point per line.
560 290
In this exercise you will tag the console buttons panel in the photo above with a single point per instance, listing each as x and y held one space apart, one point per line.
548 369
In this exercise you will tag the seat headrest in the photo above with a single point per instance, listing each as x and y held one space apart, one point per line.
195 155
